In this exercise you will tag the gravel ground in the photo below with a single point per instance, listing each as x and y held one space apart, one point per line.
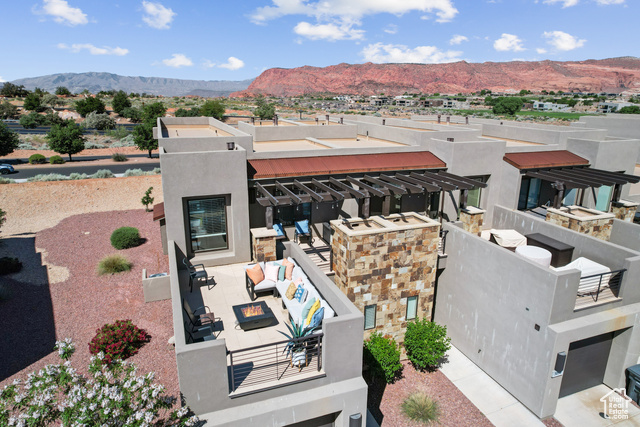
35 206
455 408
37 314
25 154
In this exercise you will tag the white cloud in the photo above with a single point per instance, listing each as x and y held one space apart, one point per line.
208 64
563 41
565 3
457 39
232 63
94 50
157 16
391 29
607 2
2 80
177 60
62 13
353 9
508 42
330 32
396 53
541 50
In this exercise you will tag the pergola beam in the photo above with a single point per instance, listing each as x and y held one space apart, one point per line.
296 199
429 187
411 187
315 196
375 191
394 188
268 195
352 191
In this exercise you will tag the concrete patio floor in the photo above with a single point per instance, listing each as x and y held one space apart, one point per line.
584 409
497 404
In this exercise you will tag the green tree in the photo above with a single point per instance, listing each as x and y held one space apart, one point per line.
426 343
213 108
52 100
507 105
99 121
263 109
132 113
8 140
51 118
63 91
147 199
32 120
632 109
151 112
120 102
66 138
89 105
8 110
143 137
11 90
32 103
182 112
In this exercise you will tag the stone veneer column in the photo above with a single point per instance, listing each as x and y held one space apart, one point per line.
583 220
384 266
472 219
624 210
263 244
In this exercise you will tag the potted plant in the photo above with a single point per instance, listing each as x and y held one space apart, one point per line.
296 347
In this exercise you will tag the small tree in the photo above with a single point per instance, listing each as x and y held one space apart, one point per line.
89 105
52 101
8 141
120 102
143 137
151 112
32 103
63 91
213 108
426 343
3 217
133 114
99 121
182 112
32 120
507 105
382 356
264 110
8 110
11 90
66 138
632 109
147 199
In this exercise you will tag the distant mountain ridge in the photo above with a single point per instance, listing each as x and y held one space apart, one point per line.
97 81
614 74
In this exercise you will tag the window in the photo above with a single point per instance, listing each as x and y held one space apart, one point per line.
473 196
288 215
412 307
370 316
604 198
207 224
529 193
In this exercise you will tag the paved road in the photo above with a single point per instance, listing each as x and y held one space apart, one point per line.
88 169
16 162
15 126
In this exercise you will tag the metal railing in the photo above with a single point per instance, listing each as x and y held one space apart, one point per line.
442 242
267 366
594 284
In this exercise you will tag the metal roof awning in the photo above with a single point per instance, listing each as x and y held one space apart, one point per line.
544 159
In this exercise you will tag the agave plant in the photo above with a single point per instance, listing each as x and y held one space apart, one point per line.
297 332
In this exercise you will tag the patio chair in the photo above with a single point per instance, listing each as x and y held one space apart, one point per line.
201 334
194 273
280 230
302 229
198 318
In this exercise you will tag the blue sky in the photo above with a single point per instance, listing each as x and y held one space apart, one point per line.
236 40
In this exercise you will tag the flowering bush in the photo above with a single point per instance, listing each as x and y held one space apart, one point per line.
111 395
120 340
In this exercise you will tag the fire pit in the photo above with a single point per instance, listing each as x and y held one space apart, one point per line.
253 315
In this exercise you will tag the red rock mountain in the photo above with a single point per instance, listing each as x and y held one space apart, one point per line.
615 74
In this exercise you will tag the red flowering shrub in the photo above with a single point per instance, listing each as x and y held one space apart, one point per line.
121 340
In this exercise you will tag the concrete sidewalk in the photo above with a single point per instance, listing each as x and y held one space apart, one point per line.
500 407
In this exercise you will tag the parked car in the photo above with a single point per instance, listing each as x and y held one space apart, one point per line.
5 169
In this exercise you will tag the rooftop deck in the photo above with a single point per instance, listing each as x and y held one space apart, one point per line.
511 142
192 131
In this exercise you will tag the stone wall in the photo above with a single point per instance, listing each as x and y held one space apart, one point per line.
263 244
599 226
624 211
472 220
385 267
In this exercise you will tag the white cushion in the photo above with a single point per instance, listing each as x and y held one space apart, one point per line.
265 284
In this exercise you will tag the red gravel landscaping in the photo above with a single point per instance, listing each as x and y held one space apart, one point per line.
385 402
37 315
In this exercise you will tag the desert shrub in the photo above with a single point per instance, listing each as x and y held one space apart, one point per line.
118 133
56 160
26 146
7 181
155 171
99 121
420 407
120 340
119 157
426 343
134 172
125 238
127 141
382 356
48 177
37 159
10 265
75 176
103 173
89 145
113 264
